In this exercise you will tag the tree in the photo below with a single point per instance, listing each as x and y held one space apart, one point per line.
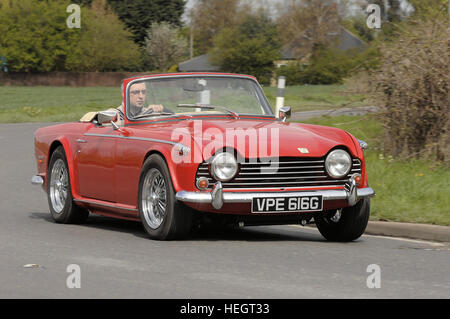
209 17
411 86
307 26
103 44
165 46
138 15
429 9
34 36
249 48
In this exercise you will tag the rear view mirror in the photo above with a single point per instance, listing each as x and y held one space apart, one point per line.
193 87
285 113
106 117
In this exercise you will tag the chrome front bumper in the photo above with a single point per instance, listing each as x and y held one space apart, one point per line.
217 197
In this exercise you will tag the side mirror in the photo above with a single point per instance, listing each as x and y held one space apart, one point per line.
285 113
106 117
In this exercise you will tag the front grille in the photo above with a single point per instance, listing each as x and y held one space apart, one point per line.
281 173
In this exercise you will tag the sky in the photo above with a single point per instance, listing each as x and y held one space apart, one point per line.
273 3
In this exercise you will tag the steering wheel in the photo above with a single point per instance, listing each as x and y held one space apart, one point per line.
149 111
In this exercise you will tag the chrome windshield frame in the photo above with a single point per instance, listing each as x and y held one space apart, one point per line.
262 99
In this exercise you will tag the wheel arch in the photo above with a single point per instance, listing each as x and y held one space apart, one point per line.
62 141
165 154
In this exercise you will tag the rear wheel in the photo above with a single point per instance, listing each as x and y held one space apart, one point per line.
162 215
59 193
346 224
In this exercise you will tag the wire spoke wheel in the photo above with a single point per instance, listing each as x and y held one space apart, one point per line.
59 182
154 198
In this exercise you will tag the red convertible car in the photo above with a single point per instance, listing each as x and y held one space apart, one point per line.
186 148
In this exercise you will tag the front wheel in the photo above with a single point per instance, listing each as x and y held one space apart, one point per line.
162 215
59 192
347 224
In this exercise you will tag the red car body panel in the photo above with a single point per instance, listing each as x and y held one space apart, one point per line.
104 170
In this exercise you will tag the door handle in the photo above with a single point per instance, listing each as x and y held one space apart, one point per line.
81 141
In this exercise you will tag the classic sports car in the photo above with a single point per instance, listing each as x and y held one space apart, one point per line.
212 150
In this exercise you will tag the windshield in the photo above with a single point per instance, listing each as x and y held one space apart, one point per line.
196 95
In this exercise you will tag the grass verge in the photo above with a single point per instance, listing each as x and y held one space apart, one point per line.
318 97
54 104
411 190
66 104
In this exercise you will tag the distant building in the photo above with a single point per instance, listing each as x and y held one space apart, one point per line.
198 64
345 40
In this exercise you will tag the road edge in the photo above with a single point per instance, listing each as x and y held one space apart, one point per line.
409 230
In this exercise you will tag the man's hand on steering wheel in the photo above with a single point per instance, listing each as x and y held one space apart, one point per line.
153 108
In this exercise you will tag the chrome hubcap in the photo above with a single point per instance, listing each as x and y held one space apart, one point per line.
337 216
59 183
154 198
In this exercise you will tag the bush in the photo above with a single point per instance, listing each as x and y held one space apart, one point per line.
412 86
329 67
34 37
291 72
103 44
249 48
165 46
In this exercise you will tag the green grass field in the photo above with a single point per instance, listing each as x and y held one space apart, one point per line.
317 97
65 104
53 104
407 190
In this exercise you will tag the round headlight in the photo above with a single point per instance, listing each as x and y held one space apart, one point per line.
224 166
338 163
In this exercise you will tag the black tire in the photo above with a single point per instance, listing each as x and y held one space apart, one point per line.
176 220
349 227
62 210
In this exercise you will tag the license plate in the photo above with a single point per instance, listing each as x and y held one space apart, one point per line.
287 204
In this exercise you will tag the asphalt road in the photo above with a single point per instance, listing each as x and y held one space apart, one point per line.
118 261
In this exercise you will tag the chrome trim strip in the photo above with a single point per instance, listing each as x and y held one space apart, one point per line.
277 173
247 197
195 74
105 205
274 163
296 188
283 182
133 138
277 178
278 168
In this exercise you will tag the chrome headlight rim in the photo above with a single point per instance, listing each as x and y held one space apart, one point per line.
214 166
332 171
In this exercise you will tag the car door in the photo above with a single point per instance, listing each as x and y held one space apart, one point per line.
96 162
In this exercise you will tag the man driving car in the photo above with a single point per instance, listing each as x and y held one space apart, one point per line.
138 93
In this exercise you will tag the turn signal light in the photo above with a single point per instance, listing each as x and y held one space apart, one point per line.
358 179
202 183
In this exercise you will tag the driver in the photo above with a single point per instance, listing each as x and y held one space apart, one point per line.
138 93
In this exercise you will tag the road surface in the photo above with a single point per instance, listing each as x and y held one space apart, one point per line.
116 260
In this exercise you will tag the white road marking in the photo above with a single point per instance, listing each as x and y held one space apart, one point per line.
416 241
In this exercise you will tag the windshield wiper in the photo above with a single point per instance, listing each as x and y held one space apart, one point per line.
152 114
210 107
